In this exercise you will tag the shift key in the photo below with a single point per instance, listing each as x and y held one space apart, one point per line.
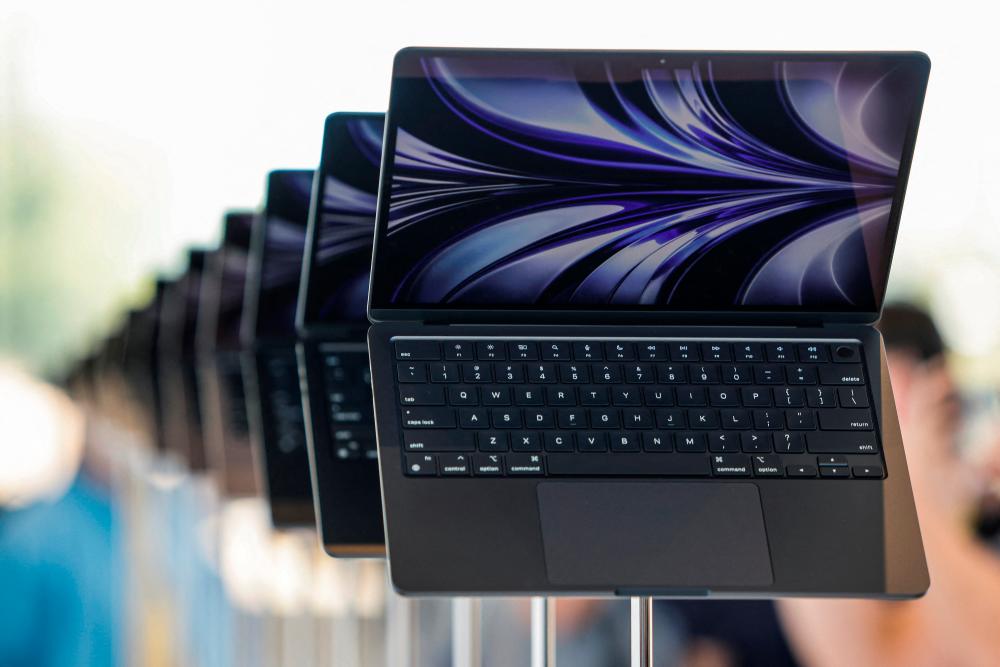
439 441
842 442
428 418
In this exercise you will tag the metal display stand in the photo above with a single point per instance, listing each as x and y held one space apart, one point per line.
641 624
466 632
543 632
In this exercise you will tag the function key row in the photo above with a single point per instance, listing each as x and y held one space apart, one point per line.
780 352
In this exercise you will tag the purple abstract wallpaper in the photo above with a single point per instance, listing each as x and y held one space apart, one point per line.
702 184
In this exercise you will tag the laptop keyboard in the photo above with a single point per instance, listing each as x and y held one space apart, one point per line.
284 421
349 394
664 408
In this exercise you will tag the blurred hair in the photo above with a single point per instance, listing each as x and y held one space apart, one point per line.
910 329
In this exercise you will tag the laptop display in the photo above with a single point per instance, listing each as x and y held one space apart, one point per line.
688 182
232 268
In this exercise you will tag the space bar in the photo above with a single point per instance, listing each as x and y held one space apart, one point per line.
628 465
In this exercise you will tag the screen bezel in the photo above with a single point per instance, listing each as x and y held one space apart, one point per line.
305 328
381 312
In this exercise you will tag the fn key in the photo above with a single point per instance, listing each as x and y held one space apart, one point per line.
420 465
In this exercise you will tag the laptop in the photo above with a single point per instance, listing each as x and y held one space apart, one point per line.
267 329
223 401
624 308
333 354
140 367
179 396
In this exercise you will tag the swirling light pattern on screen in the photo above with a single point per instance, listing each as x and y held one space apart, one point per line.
694 186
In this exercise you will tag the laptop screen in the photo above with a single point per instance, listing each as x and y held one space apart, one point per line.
344 228
281 244
231 268
687 182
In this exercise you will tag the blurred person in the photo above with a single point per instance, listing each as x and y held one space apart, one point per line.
956 622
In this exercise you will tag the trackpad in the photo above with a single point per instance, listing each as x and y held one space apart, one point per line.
658 535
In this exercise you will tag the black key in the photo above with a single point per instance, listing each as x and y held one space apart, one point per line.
555 351
417 350
525 465
755 442
492 441
868 472
411 372
657 441
844 442
571 418
591 441
779 352
683 352
730 465
508 372
574 373
704 374
459 351
473 418
421 394
488 465
523 441
652 351
638 373
846 420
438 441
748 352
789 397
690 442
723 441
789 443
605 418
722 397
615 465
506 418
831 460
768 419
528 396
446 372
834 471
637 418
669 418
736 374
523 351
626 396
737 419
658 396
800 420
455 464
853 397
672 373
801 471
841 374
703 418
488 350
561 395
690 396
541 372
716 352
539 418
496 396
619 351
592 395
768 374
767 465
428 417
624 442
607 373
813 352
846 354
463 395
756 396
559 441
420 465
800 374
821 397
587 351
477 372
